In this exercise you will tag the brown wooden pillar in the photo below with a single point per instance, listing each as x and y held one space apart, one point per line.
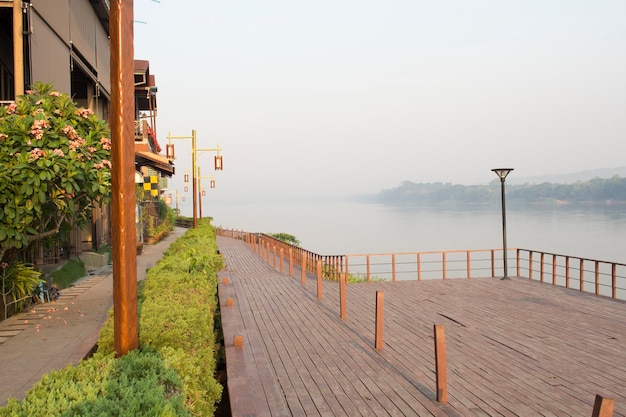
123 228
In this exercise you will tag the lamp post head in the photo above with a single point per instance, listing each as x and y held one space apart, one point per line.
502 172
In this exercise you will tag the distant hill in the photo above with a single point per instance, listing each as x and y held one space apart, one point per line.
569 178
596 190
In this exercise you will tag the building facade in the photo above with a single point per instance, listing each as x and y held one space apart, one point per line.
66 43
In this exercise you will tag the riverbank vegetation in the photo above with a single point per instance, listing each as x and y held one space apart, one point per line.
595 191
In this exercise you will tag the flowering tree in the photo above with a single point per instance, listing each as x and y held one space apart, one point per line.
54 166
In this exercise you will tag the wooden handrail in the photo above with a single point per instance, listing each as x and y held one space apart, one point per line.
609 278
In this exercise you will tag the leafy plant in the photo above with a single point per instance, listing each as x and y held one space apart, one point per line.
285 237
54 166
18 281
158 226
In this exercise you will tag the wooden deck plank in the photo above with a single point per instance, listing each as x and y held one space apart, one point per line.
515 348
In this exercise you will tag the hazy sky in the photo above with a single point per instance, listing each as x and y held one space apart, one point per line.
347 97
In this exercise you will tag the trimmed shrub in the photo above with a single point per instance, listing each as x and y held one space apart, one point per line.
177 304
138 384
173 371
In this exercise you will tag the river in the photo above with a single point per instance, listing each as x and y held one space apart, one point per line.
341 227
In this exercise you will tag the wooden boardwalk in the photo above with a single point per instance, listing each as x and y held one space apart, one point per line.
514 347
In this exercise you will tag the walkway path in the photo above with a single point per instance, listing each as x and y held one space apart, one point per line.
53 335
514 347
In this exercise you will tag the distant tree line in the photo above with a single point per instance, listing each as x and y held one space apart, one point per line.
597 190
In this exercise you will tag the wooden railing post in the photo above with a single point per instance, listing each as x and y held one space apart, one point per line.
342 296
274 256
393 267
582 275
530 265
380 312
541 266
553 269
440 364
493 263
319 278
291 262
282 266
303 266
267 248
367 261
614 281
567 272
603 407
597 277
443 259
517 263
469 265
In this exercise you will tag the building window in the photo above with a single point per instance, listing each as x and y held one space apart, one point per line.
7 91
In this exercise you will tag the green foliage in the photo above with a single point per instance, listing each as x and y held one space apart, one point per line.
54 165
172 374
285 237
165 222
18 281
138 384
362 278
68 273
177 304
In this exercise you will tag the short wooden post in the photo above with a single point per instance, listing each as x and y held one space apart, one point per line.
440 364
268 253
319 279
342 296
603 407
229 302
291 262
282 264
303 277
419 266
380 312
225 281
238 340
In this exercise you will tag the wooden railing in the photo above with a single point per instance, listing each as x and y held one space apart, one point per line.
586 275
424 265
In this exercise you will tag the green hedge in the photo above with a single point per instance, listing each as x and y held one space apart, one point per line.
172 374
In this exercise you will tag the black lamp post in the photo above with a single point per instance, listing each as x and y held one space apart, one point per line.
502 173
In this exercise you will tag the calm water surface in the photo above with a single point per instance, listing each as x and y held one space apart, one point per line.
334 228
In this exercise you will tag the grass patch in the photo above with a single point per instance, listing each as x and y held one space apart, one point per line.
362 278
69 273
